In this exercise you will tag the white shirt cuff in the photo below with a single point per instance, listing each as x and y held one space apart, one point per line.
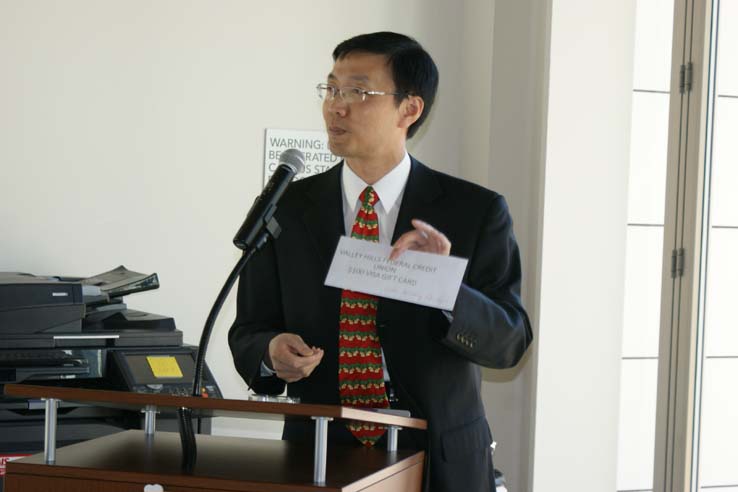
265 371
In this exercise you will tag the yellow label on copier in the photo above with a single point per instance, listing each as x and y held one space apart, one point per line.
164 366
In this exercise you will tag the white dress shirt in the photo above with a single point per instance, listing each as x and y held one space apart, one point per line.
389 189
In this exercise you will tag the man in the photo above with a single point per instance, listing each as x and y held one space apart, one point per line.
290 328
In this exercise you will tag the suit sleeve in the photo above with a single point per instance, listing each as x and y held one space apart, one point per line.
258 319
489 324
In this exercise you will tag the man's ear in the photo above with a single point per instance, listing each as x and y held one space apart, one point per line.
410 110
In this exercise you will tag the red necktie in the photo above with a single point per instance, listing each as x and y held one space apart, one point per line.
360 372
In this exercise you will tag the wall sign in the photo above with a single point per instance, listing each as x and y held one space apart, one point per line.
312 143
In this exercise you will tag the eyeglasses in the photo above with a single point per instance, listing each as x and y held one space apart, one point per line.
350 95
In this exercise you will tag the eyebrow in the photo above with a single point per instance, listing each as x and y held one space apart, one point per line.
358 78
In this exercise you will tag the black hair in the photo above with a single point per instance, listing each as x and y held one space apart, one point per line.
413 70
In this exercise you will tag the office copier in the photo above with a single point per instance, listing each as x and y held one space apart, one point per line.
78 332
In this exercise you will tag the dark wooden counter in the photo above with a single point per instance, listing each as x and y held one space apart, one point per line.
128 461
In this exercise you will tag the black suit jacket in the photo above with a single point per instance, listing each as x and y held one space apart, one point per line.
433 363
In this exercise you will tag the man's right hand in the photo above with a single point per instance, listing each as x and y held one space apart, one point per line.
291 358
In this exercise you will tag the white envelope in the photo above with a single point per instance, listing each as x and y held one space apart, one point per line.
420 278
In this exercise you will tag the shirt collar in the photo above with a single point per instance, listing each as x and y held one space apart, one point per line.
389 187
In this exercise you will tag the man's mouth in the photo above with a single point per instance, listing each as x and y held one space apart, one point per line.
336 131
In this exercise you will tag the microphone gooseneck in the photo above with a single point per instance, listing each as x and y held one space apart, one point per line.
256 230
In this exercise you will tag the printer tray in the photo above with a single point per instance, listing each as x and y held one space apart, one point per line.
122 338
17 366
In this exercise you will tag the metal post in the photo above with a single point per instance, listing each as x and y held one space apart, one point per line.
50 430
321 449
392 431
149 419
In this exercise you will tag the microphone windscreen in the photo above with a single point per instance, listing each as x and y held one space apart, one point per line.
293 158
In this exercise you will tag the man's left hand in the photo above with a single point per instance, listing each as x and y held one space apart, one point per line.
424 237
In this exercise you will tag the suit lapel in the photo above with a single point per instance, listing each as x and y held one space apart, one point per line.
323 215
421 190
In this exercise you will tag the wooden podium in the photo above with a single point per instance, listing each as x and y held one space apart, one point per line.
151 461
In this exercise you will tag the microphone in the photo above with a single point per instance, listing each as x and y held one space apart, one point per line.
251 234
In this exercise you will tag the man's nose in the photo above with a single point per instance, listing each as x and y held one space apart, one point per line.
336 105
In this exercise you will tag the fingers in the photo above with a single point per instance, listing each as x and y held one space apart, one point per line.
297 346
424 237
292 362
291 375
292 358
440 243
410 240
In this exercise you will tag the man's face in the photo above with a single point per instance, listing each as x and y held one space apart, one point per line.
366 129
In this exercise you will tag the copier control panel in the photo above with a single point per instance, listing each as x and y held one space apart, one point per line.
160 370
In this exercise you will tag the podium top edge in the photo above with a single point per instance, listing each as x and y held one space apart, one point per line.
211 407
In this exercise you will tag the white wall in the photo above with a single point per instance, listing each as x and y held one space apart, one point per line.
583 245
516 136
